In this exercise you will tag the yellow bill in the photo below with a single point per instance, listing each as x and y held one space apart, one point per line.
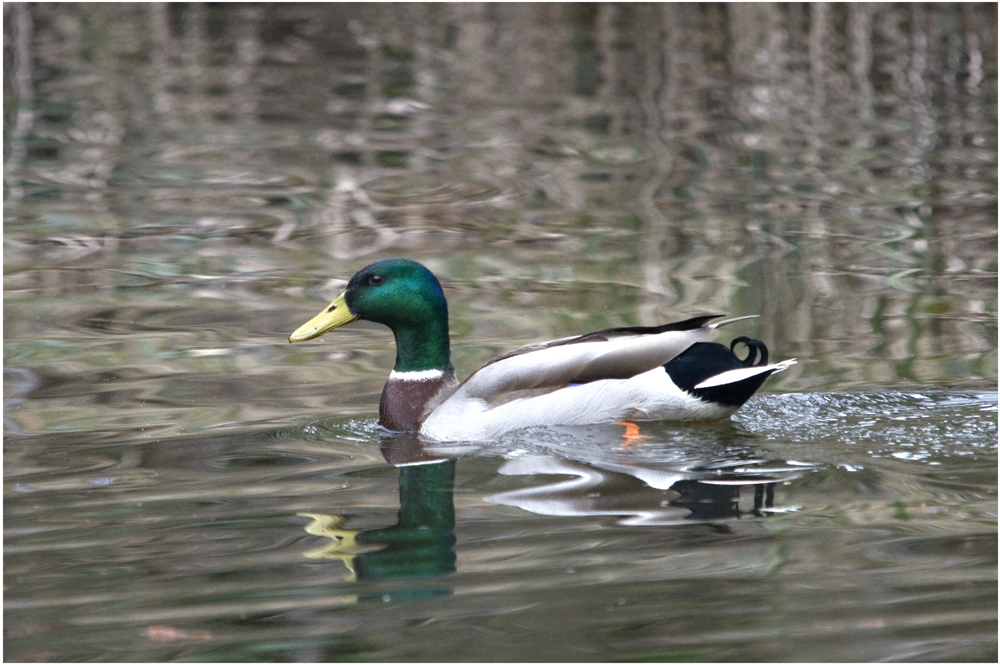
335 315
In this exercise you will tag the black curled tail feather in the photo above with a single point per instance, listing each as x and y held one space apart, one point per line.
704 360
755 347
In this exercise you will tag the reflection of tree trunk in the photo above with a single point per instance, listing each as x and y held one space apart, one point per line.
193 62
244 72
160 52
24 94
859 35
757 42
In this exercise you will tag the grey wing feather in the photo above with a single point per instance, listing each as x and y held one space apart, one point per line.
616 353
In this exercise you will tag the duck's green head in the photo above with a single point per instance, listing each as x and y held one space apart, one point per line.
398 293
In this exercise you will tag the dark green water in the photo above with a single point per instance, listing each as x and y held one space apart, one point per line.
186 184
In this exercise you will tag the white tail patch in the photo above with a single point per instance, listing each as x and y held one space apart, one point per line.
737 375
726 322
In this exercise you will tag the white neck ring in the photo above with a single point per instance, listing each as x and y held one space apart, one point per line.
424 375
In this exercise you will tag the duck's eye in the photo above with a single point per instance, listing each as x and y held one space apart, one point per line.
375 280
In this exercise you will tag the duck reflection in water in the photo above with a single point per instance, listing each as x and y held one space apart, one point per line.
422 542
644 495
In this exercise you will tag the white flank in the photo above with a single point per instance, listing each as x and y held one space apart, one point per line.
736 375
423 375
647 396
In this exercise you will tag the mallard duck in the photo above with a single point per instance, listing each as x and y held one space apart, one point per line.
620 374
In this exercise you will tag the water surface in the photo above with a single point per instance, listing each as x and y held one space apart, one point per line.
186 184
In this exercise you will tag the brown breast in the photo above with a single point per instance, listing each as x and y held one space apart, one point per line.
406 403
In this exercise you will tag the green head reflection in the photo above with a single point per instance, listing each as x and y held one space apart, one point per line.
420 544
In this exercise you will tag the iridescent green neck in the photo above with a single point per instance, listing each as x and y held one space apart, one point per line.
423 346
